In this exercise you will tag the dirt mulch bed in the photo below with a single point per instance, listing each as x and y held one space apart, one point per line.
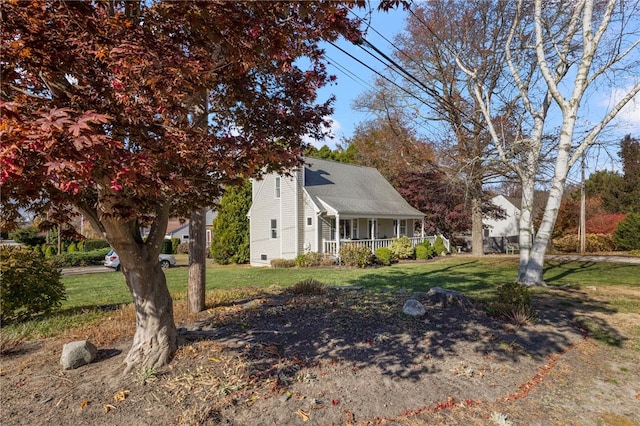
350 357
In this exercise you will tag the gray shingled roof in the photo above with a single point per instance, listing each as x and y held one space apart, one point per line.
353 190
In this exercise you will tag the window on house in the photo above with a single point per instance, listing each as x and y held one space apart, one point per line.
278 187
263 257
185 237
403 227
486 232
345 229
274 228
309 221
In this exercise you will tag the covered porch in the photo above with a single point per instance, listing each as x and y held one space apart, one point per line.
373 232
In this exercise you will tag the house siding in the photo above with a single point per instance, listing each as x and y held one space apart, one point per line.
263 193
290 213
288 219
507 227
310 233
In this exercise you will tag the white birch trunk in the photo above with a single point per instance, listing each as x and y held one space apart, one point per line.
574 47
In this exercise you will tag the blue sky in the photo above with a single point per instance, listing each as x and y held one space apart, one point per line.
353 78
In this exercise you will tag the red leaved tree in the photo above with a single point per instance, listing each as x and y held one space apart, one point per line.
97 113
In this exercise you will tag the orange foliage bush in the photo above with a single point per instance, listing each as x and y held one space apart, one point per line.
594 243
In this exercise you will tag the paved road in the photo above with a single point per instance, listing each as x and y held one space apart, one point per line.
86 270
594 258
560 257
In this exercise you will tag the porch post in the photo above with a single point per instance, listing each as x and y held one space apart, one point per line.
422 228
397 228
373 226
337 234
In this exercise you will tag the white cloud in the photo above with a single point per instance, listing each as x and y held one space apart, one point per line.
335 131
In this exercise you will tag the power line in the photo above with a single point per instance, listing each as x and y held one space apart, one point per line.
353 76
413 95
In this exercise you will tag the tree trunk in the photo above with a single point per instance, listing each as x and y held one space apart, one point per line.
477 243
197 260
156 338
525 233
535 265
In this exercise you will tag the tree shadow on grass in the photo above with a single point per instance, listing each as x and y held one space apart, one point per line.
555 271
454 276
367 328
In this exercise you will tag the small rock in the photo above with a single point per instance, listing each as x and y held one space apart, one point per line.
285 396
414 308
78 353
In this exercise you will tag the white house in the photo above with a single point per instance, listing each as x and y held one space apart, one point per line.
502 234
324 204
179 228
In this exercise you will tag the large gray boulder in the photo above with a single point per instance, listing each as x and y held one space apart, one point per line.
414 308
444 297
78 353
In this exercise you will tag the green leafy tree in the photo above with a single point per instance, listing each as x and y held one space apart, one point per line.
347 155
609 187
630 154
230 239
28 236
627 233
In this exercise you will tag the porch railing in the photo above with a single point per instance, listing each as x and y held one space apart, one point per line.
330 246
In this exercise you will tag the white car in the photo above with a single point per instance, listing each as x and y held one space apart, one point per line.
111 260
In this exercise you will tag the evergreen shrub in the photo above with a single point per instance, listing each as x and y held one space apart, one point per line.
30 285
283 263
95 244
353 254
401 248
175 242
310 259
439 247
627 233
383 256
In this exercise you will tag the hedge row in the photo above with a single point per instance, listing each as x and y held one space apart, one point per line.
78 258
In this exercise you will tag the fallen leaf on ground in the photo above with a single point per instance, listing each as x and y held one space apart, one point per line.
638 396
304 416
108 407
121 396
84 403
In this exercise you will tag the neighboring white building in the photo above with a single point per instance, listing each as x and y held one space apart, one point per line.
507 227
177 228
502 235
324 204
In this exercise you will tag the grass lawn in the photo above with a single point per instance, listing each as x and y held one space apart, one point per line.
89 296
